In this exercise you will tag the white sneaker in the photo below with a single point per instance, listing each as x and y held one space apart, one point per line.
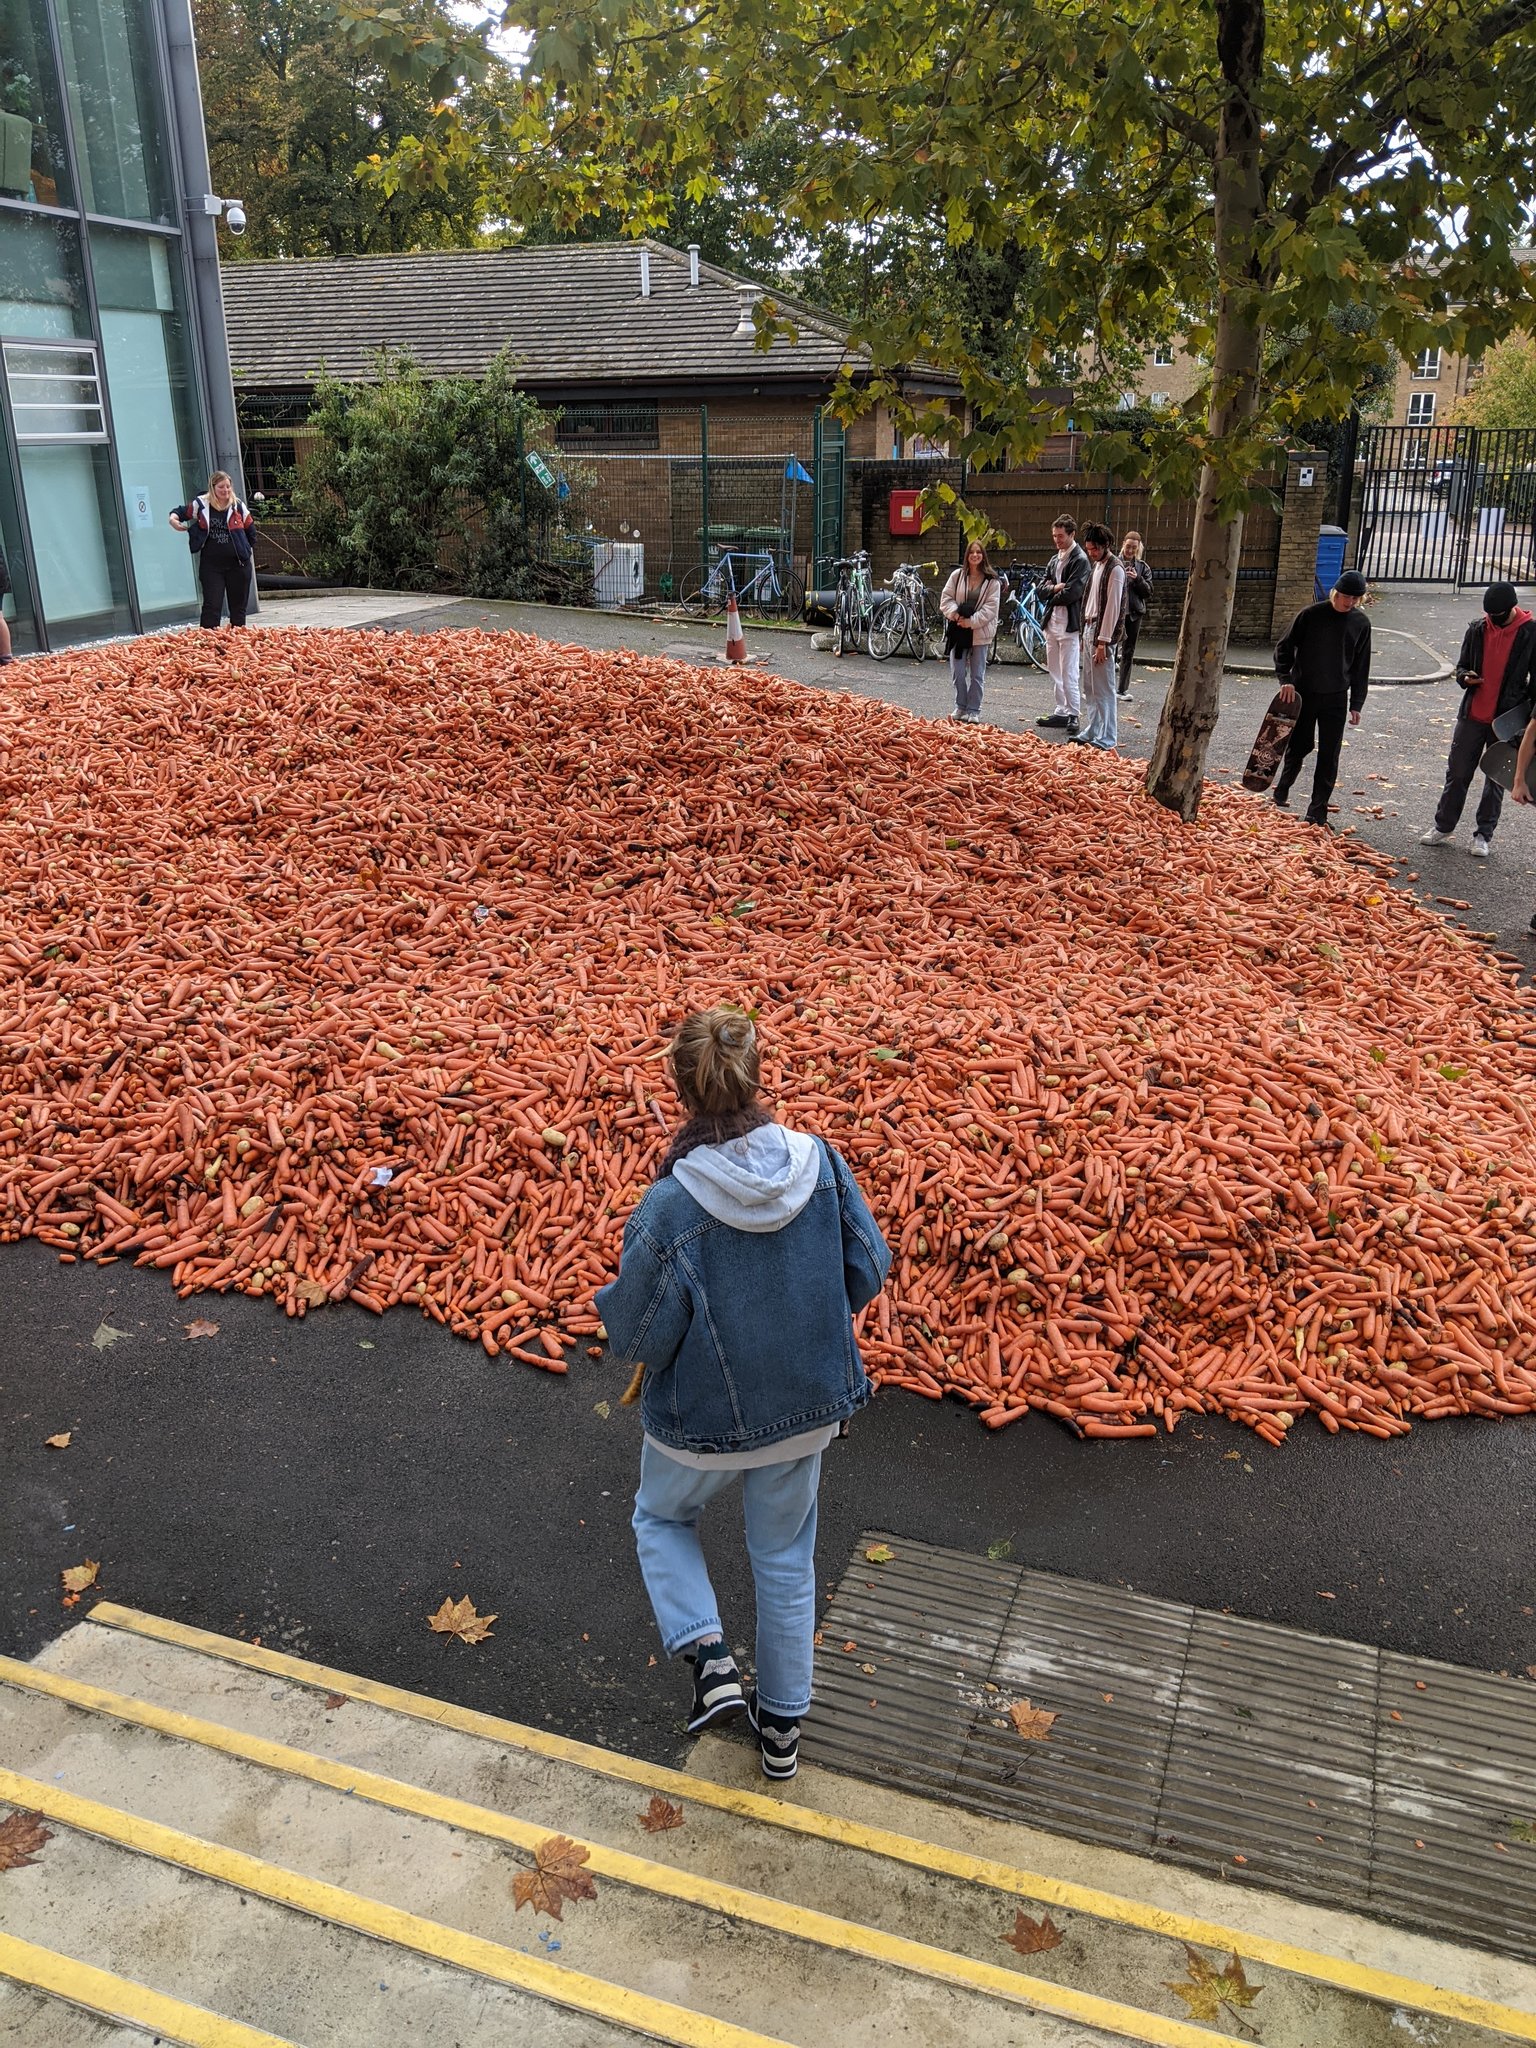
1481 850
1435 837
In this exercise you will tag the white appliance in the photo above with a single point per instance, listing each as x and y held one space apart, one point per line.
618 571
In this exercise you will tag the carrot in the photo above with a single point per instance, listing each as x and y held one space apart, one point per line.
1183 1165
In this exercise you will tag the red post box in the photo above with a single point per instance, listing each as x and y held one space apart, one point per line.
906 513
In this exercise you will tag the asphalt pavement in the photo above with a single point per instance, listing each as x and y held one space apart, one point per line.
324 1484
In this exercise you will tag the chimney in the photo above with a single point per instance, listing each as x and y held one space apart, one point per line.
746 326
645 273
693 266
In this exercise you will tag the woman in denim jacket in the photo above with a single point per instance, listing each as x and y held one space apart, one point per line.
743 1268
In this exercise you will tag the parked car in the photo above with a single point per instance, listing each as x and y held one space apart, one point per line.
1441 472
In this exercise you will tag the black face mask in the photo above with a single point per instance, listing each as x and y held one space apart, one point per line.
1503 618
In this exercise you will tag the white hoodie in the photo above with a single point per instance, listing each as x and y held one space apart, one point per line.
757 1183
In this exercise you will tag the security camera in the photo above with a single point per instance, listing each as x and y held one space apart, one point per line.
234 214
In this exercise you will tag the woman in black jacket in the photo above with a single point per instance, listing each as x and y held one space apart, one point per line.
1138 595
218 529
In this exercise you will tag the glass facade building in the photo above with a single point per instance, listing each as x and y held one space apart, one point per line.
115 396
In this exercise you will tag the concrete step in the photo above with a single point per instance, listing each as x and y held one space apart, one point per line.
332 1860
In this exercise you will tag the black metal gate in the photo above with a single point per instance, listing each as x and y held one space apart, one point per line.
1449 505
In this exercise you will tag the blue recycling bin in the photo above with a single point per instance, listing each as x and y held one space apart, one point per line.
1331 543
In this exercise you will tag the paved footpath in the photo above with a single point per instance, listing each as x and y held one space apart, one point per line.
324 1484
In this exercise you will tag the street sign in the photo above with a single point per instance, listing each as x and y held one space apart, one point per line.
541 469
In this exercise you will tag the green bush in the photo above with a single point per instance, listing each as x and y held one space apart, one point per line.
420 483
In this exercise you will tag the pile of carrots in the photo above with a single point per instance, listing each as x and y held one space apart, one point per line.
342 966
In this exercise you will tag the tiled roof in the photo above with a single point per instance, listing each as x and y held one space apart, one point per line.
572 315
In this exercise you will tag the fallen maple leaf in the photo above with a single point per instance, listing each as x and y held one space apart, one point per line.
660 1815
556 1875
1033 1937
311 1293
59 1442
879 1553
1208 1988
104 1334
333 1700
458 1618
22 1836
202 1328
1521 1830
77 1577
1033 1723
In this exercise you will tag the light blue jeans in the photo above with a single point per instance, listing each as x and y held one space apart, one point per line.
780 1505
1101 702
967 668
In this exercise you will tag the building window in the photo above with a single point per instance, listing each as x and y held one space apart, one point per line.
109 67
1421 409
612 427
1157 400
1427 363
55 392
269 466
32 164
1162 356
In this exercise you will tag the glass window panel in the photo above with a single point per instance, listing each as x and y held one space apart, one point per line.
112 73
16 603
55 393
32 162
41 290
82 587
161 455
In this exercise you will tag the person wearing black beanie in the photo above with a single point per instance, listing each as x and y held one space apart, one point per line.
1324 666
1494 671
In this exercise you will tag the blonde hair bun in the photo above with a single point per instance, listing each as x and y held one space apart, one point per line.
714 1061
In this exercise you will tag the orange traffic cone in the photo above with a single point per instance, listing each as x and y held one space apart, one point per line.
735 639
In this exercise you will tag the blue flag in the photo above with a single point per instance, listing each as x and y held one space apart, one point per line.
795 470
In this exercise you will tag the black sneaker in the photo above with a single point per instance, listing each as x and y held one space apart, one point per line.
1282 799
1532 927
1054 718
1071 727
778 1740
716 1685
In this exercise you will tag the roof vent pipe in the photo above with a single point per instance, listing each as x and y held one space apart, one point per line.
645 273
746 324
693 266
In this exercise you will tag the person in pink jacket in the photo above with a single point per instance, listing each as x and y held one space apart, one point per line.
970 605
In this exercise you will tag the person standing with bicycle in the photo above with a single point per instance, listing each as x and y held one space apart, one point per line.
1063 589
970 604
1138 596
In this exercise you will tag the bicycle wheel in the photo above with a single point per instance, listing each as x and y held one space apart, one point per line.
790 602
919 630
1031 636
887 626
699 592
841 637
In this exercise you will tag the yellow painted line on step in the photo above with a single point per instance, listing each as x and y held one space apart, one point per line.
117 1998
1360 1978
753 1909
650 2017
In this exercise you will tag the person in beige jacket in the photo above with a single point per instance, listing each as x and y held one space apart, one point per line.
970 605
1103 612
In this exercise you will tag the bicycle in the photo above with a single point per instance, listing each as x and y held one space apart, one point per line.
911 616
1026 612
853 609
766 588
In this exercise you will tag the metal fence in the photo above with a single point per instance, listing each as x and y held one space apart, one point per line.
1448 505
1024 503
663 504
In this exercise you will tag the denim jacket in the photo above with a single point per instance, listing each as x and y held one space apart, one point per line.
747 1337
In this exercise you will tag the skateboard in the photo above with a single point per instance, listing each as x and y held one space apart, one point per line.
1498 763
1269 747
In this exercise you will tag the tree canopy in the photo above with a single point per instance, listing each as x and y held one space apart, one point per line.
1503 391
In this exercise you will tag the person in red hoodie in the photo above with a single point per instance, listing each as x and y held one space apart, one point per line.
1494 671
